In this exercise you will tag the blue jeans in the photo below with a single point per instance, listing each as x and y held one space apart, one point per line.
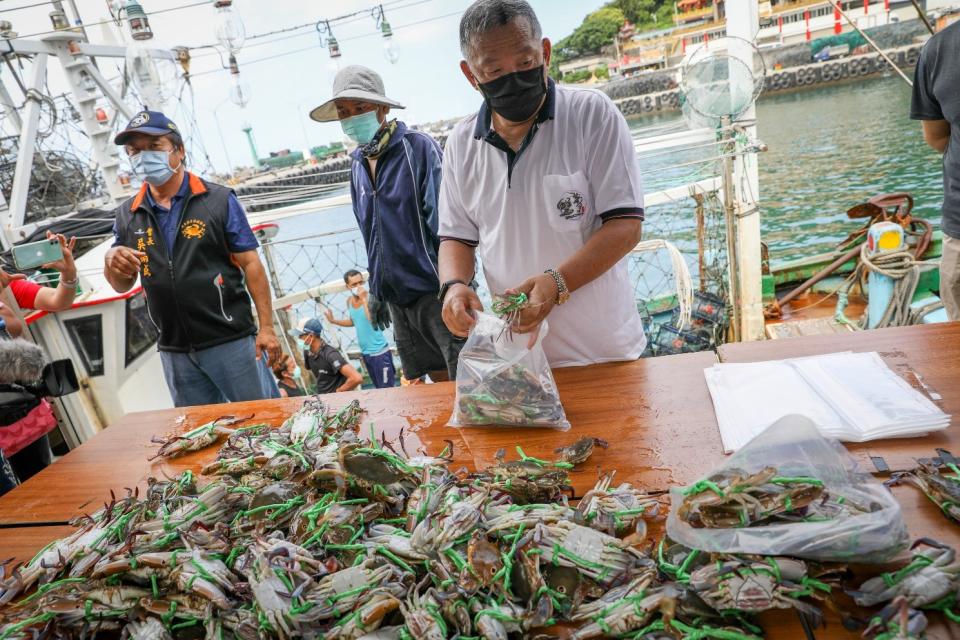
229 372
381 369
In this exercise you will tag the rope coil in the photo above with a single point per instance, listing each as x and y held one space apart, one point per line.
904 269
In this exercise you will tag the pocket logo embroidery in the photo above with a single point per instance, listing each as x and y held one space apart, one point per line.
193 229
571 206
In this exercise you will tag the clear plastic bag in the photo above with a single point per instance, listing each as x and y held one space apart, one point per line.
502 382
854 518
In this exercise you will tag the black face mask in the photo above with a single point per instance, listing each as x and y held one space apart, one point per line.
515 96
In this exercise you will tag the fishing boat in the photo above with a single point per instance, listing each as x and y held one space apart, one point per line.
724 279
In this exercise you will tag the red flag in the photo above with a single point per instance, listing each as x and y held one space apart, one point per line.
806 19
837 26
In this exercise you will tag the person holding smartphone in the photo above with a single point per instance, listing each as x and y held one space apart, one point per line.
25 443
32 296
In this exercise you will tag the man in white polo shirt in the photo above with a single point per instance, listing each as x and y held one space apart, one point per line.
544 181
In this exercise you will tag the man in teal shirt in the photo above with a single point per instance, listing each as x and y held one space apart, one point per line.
374 349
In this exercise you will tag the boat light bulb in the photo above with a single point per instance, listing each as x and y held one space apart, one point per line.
138 21
231 33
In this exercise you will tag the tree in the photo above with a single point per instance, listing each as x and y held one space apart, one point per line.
598 29
577 76
637 11
601 73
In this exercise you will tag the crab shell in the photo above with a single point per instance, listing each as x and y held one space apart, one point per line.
750 587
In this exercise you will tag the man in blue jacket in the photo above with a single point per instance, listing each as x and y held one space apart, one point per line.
394 185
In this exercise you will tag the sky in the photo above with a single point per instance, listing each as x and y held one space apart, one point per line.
288 74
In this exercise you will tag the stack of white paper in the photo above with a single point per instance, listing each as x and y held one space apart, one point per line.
853 397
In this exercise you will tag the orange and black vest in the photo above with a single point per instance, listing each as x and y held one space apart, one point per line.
198 298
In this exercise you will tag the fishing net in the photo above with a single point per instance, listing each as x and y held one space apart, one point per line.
716 82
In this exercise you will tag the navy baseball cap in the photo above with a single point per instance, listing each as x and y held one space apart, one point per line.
152 123
313 325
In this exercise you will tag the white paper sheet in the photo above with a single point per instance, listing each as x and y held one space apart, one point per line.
853 397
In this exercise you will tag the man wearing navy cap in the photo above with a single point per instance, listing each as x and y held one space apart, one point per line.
333 372
191 245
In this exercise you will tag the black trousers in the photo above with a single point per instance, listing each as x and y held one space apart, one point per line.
32 459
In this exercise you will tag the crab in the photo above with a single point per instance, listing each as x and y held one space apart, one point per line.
527 480
440 530
751 584
344 590
581 450
495 621
897 621
932 575
631 612
366 618
616 511
942 488
146 629
735 498
423 617
196 439
596 555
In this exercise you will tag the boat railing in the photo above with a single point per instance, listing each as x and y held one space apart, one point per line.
307 269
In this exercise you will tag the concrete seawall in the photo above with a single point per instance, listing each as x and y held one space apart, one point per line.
800 77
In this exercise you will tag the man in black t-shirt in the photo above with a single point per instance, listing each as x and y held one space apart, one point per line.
936 101
333 372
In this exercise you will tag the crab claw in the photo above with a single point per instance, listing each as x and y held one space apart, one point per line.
929 542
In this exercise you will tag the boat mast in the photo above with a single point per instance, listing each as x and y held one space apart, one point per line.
743 24
74 54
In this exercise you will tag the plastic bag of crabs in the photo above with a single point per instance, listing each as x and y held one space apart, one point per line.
503 381
790 492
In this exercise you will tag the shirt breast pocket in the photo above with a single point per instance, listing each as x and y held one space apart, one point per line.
569 206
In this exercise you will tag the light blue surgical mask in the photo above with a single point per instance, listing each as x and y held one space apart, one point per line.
361 128
153 166
296 371
301 344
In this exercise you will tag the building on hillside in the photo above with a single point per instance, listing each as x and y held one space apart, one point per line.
784 22
586 63
644 52
687 12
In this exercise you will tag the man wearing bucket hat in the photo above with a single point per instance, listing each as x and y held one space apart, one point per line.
333 372
189 242
394 185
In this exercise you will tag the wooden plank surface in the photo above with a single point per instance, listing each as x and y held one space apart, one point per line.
655 413
20 544
928 357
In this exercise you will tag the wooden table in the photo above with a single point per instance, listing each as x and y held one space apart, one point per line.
656 415
929 358
20 544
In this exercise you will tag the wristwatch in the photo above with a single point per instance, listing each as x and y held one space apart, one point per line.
563 293
445 287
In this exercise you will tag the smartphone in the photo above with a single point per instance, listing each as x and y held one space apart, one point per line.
34 254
